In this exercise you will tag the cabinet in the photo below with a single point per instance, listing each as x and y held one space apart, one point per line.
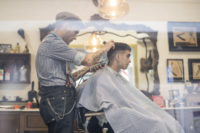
21 122
9 122
24 122
31 122
14 68
189 118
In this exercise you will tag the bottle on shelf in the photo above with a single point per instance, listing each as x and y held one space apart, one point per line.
22 72
7 74
15 73
17 48
1 72
26 49
12 50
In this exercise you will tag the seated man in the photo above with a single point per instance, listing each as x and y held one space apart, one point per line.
126 108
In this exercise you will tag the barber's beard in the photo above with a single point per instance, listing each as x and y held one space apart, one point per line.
67 41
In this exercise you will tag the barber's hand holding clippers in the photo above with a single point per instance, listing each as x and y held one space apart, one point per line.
80 73
97 66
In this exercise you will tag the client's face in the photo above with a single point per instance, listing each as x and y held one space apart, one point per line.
124 59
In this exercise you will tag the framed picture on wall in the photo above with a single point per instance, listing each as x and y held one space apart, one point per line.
194 70
175 70
184 36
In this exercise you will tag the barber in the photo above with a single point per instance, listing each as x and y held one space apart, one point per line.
53 61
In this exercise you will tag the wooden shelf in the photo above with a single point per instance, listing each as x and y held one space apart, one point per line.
14 63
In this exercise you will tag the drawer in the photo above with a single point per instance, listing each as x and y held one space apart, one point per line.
34 121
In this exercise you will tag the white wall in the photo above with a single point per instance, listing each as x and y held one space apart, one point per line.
32 14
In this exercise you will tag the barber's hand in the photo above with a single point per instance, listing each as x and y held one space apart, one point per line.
109 45
97 66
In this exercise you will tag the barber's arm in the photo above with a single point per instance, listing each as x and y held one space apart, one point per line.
91 61
76 75
93 58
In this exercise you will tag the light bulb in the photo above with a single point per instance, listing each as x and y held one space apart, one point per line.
94 43
112 9
94 39
113 3
94 49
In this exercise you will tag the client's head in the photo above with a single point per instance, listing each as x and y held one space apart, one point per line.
119 57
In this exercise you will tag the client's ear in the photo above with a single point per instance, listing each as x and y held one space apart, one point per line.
117 56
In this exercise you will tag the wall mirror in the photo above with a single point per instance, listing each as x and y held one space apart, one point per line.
121 32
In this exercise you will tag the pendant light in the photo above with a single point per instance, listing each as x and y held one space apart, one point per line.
94 43
112 9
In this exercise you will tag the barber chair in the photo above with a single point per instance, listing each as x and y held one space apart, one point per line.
87 121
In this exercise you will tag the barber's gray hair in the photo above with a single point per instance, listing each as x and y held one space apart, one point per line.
66 16
73 21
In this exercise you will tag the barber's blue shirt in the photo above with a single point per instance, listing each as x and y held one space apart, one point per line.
52 55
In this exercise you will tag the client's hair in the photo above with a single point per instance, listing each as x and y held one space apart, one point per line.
119 46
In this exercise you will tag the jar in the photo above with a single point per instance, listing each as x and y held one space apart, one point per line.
29 105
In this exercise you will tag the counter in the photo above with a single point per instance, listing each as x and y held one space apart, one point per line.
9 106
37 109
182 108
19 110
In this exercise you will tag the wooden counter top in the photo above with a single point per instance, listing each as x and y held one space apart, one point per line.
20 110
181 108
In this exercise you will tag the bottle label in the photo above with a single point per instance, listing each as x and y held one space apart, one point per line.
1 74
23 72
7 75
